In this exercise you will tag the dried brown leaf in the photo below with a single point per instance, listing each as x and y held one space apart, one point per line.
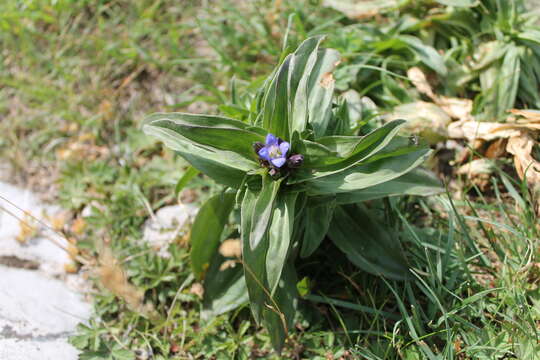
496 149
456 108
231 248
460 109
420 82
114 279
361 9
472 130
197 289
527 167
227 264
28 229
78 226
530 115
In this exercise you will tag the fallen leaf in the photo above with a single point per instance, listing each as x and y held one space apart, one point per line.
361 9
477 167
472 130
530 115
457 108
231 248
78 226
423 118
460 109
114 279
527 167
28 229
227 264
71 268
496 149
419 80
197 289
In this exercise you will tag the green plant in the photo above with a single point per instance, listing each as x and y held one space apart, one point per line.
486 50
294 187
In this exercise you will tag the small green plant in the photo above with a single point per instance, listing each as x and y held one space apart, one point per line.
295 169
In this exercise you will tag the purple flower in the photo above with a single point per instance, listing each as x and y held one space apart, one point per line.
274 151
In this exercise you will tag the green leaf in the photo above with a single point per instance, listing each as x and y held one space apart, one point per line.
225 167
212 132
459 3
367 243
300 91
262 212
304 286
488 53
500 84
190 173
122 354
530 35
427 55
279 236
302 63
275 110
224 289
207 229
254 260
333 153
279 311
367 174
416 182
317 220
509 80
320 89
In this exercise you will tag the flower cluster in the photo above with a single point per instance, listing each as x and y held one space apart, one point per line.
273 155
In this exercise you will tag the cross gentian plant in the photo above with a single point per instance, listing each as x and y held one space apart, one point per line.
296 170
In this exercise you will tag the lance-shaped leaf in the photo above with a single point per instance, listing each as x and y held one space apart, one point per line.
367 174
224 289
426 54
212 132
279 236
256 215
335 153
321 89
275 116
367 244
317 220
262 214
224 166
207 229
416 182
253 260
301 66
279 310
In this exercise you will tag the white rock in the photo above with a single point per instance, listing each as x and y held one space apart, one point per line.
38 312
42 248
33 304
162 229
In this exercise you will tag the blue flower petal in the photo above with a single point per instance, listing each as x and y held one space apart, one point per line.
263 153
284 147
271 139
278 162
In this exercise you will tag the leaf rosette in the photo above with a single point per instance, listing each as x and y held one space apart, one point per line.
296 171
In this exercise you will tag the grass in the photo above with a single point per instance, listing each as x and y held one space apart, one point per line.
78 76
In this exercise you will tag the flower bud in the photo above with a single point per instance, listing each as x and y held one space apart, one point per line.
273 172
257 146
295 160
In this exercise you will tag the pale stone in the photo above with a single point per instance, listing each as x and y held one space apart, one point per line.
38 309
164 227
